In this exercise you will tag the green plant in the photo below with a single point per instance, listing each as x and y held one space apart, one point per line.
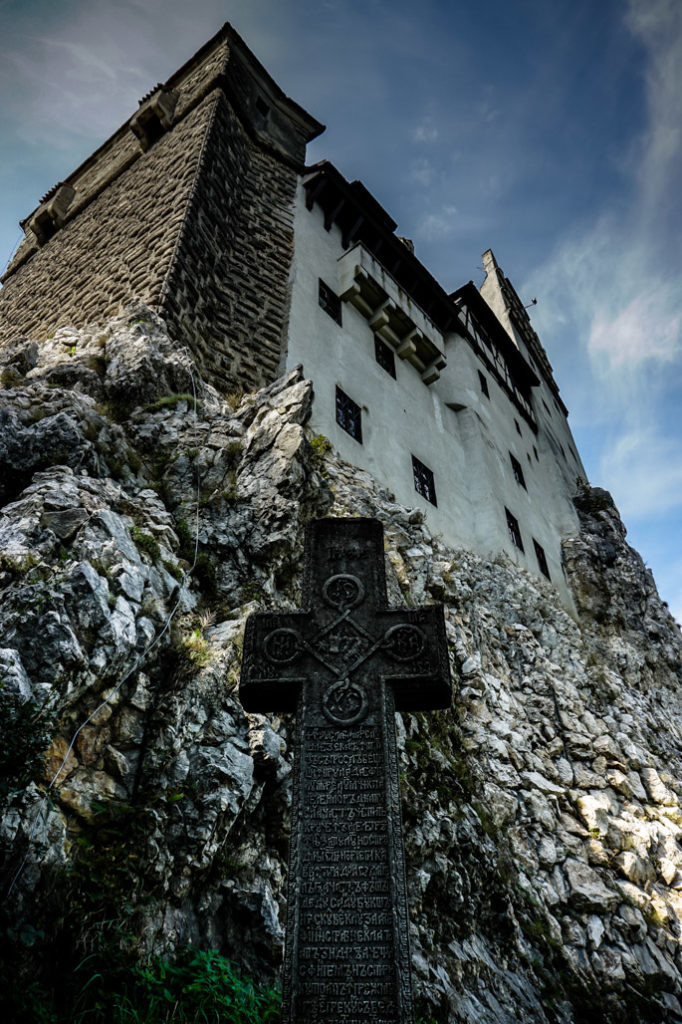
175 570
197 987
25 734
170 401
116 411
186 538
321 447
145 542
252 591
19 565
195 648
234 399
10 377
205 575
134 460
98 364
490 827
161 463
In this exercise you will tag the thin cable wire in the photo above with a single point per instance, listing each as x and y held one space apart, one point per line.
140 658
12 251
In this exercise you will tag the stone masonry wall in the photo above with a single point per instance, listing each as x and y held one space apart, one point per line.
112 158
199 227
227 289
118 248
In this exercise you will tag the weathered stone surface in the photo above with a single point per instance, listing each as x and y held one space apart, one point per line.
543 816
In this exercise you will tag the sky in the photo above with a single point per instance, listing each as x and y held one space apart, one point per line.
547 130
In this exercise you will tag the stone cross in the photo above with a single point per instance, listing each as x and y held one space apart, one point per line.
344 665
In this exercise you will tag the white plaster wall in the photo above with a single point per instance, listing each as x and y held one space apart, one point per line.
467 450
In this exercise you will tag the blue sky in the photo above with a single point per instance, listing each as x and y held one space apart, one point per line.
549 130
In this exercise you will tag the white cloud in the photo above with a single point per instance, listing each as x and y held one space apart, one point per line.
422 171
648 328
620 273
434 226
610 308
644 472
658 25
425 131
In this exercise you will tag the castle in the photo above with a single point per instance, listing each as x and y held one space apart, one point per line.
202 206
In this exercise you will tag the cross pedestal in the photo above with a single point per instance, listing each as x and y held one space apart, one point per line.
345 664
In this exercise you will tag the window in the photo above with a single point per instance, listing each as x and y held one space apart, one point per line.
514 530
348 415
546 407
484 384
262 107
518 471
423 481
384 356
535 453
542 561
329 301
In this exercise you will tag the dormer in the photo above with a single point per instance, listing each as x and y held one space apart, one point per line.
49 216
154 117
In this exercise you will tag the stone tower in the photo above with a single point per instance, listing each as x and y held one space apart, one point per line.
188 207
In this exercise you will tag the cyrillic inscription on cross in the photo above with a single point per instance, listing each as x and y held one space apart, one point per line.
345 664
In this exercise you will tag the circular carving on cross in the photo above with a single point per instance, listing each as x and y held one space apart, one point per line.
282 646
344 703
343 591
405 642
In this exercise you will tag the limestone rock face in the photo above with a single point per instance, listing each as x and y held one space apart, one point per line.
138 529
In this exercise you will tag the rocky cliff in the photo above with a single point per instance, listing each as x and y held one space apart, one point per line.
143 517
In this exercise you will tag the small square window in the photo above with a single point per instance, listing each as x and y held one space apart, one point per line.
384 356
484 384
518 428
535 453
423 481
330 301
514 530
518 471
542 561
348 415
